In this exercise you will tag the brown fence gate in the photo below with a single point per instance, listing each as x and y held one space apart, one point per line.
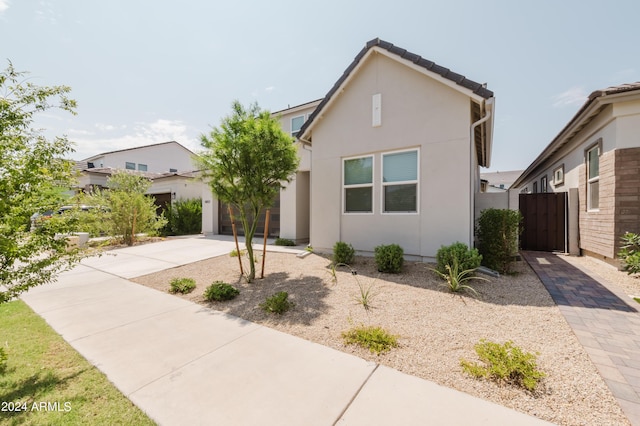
545 221
224 221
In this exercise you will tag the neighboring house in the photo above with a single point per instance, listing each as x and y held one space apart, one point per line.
169 165
499 181
396 146
596 160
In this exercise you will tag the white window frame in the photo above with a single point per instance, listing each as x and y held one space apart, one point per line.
544 184
598 148
407 182
304 119
558 175
360 185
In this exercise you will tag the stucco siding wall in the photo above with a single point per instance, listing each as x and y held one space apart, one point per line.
417 112
573 155
158 158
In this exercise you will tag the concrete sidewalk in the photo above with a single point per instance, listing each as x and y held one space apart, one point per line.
183 363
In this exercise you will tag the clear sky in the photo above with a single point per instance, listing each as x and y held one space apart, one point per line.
148 71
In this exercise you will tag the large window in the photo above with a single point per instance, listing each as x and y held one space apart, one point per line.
357 182
593 178
400 182
296 125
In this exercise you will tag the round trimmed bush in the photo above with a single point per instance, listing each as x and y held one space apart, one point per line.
343 253
389 258
467 258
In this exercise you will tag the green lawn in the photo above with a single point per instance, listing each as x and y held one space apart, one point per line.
55 384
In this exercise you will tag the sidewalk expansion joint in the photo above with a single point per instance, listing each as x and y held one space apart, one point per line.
355 395
259 327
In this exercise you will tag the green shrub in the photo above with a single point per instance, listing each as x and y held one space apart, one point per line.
184 217
465 257
284 242
505 363
376 339
234 252
182 285
629 252
497 232
278 303
343 253
220 291
389 258
3 361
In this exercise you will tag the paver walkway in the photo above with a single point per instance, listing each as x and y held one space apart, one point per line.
604 320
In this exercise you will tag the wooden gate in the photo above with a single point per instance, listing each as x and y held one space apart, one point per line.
224 221
545 221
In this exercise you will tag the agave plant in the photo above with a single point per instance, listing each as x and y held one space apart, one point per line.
457 280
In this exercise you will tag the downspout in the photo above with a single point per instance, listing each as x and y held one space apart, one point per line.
472 139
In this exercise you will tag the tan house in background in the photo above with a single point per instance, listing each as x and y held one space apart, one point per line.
396 147
596 160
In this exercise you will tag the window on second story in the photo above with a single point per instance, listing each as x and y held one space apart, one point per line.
535 187
129 166
296 124
543 184
142 167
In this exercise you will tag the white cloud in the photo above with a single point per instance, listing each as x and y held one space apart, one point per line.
147 133
269 89
72 132
4 5
574 96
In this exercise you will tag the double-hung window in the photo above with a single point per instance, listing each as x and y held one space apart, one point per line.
593 178
357 182
296 124
400 181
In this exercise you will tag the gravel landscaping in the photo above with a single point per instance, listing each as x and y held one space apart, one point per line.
435 328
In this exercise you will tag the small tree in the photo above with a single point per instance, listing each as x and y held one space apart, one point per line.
125 207
33 178
246 161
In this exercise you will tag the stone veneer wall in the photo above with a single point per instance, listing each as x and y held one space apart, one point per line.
627 193
597 228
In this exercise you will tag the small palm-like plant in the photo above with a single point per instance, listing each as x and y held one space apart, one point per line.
456 279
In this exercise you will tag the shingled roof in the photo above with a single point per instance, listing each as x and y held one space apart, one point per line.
460 80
